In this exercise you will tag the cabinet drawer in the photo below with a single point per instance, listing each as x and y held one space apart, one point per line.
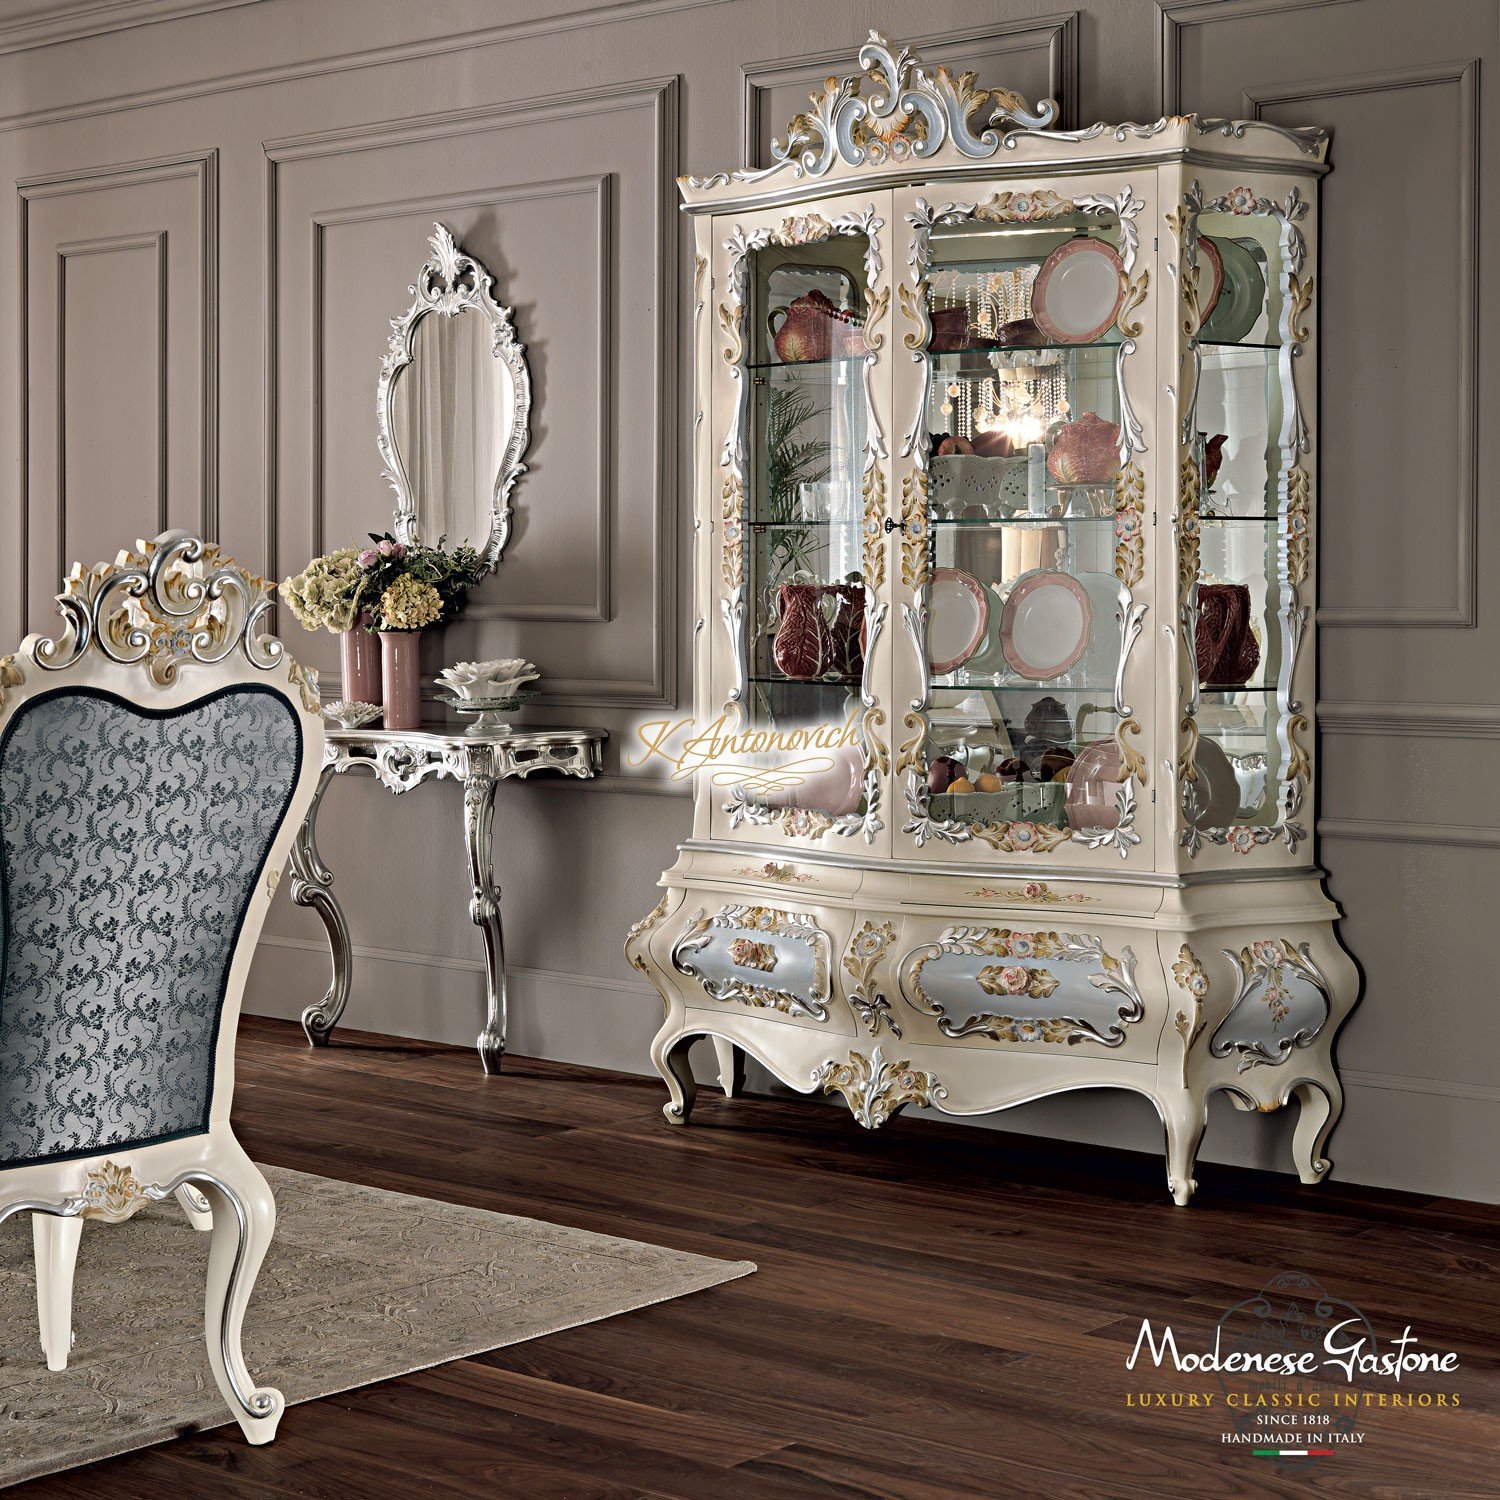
1095 990
767 959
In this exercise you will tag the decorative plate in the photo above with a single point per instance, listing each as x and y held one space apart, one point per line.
1045 627
835 790
1214 264
959 613
349 713
1078 292
1239 304
1218 786
1092 787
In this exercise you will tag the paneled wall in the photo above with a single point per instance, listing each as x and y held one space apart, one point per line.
218 205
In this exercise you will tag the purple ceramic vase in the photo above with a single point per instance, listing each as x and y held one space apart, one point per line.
359 656
401 678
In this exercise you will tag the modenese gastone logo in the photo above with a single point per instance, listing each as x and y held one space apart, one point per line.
1340 1349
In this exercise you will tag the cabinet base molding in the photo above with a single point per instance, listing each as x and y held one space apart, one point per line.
919 990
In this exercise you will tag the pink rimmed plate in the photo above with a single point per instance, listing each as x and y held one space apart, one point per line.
958 613
1208 299
1044 628
1078 292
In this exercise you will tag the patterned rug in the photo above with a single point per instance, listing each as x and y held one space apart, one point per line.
359 1285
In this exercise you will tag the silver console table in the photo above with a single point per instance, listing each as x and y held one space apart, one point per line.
400 760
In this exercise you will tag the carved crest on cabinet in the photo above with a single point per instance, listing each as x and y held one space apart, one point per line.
898 109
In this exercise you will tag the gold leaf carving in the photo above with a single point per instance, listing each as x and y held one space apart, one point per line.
113 1193
875 1089
914 537
1130 514
1135 295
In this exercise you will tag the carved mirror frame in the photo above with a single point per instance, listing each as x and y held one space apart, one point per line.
450 283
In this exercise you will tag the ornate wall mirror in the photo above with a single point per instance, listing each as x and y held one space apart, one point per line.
454 406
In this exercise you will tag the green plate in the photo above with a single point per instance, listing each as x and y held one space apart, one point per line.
1242 297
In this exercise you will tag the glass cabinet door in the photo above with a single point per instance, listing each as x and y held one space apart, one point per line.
1023 514
800 392
1243 522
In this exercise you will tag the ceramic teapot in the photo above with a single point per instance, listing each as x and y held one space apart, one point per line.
1085 451
813 328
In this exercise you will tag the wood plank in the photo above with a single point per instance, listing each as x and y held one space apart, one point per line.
940 1313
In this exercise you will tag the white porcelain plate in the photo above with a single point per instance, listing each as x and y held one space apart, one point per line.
1045 627
1078 292
955 625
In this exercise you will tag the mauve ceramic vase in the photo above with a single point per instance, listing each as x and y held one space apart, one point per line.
1227 651
400 661
802 645
359 656
846 633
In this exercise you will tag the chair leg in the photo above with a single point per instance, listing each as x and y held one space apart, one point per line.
731 1067
195 1206
54 1240
244 1219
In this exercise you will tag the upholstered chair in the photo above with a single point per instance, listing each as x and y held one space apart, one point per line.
156 760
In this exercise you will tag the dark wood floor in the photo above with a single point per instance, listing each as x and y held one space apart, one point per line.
939 1312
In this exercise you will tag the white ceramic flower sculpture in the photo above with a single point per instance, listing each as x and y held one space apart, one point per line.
488 679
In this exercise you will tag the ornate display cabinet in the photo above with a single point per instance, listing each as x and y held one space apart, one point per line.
1005 469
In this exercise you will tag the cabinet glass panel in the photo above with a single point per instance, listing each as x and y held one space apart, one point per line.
805 608
1240 412
1022 417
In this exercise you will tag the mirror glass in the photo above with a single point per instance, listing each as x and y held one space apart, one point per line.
455 405
452 410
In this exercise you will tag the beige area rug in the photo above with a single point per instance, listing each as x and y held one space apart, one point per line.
359 1285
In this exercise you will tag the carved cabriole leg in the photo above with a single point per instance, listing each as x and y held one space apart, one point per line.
731 1067
312 885
54 1242
1186 1117
244 1219
1320 1105
669 1054
484 904
195 1206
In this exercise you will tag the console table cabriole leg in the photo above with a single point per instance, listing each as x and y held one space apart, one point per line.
312 885
484 905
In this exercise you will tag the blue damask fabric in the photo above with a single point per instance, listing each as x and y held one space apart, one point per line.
130 844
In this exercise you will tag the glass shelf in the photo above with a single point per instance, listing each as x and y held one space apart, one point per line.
1019 685
836 361
960 522
1221 344
1108 346
804 682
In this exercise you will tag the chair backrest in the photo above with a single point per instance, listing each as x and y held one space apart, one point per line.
155 763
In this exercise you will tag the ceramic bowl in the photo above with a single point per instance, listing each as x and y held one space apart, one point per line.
348 713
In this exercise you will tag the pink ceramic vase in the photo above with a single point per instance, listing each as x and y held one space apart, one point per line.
359 656
400 661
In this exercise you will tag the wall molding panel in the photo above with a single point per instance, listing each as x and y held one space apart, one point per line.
1374 830
156 242
598 191
198 240
26 29
371 57
1435 720
658 594
1464 76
